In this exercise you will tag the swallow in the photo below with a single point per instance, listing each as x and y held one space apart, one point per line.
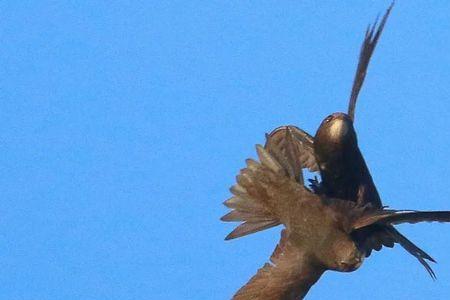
319 233
334 224
334 152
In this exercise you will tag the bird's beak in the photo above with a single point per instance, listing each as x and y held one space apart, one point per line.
349 266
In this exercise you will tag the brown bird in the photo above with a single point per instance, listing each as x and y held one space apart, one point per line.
332 228
335 153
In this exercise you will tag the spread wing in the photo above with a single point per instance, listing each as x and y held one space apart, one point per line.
370 41
393 217
378 226
263 197
294 144
375 236
264 194
267 190
286 277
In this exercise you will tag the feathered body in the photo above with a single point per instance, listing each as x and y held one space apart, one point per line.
334 225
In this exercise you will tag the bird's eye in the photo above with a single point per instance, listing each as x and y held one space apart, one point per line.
329 118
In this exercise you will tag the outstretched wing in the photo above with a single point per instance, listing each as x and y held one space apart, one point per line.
370 41
294 144
375 236
288 276
382 221
393 217
264 194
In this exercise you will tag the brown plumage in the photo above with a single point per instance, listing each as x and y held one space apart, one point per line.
332 227
320 230
342 167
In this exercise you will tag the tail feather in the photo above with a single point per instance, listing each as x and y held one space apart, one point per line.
409 246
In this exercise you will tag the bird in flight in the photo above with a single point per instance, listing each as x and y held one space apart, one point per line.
335 154
334 224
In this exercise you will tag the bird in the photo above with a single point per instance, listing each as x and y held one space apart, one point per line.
334 152
319 233
331 225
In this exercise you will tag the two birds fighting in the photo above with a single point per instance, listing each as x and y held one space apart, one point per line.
331 224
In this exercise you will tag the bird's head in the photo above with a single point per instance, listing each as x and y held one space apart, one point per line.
336 130
348 256
335 137
342 254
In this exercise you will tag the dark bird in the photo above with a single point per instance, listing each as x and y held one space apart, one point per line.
335 153
331 227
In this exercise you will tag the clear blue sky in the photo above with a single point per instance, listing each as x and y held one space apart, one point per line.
123 125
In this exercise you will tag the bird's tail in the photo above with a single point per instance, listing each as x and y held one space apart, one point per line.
414 250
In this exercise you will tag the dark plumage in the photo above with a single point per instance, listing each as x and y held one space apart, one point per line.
334 225
320 230
342 167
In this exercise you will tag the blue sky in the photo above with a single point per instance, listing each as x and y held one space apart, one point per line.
124 124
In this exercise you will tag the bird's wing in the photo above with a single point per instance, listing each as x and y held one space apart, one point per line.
288 276
375 236
370 41
264 194
295 145
378 227
393 217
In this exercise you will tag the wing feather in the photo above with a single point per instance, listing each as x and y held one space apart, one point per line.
370 41
385 219
295 147
264 193
288 276
393 217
